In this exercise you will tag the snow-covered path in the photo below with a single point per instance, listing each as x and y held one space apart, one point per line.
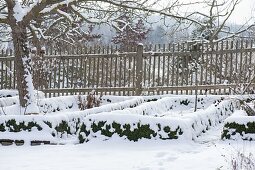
109 156
207 153
212 136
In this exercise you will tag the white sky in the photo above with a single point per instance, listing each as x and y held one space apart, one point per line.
244 11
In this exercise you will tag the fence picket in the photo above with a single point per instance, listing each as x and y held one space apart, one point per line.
226 66
159 67
2 74
177 69
250 60
85 76
241 56
173 64
97 71
154 68
115 72
168 67
221 64
201 67
231 63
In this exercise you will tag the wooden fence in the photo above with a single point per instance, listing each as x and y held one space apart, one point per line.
182 68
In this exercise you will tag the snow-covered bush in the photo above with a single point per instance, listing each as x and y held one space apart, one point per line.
37 128
8 93
134 119
124 124
176 103
54 104
52 128
8 101
131 127
239 126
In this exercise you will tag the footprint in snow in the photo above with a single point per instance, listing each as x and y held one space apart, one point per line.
161 154
160 163
171 158
144 168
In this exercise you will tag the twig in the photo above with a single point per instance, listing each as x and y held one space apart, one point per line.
3 110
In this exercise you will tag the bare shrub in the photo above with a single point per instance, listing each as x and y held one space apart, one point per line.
81 103
91 101
242 161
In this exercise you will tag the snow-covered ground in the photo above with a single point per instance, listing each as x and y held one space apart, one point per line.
207 153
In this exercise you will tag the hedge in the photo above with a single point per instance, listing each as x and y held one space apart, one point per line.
134 127
77 125
239 127
58 126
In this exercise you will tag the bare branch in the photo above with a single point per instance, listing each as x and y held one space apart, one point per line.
216 32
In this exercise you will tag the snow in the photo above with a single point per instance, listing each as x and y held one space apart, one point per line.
21 11
55 5
65 15
206 154
129 110
188 127
28 136
240 117
43 48
194 151
9 98
8 93
9 101
197 150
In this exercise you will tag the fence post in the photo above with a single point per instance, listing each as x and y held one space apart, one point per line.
139 70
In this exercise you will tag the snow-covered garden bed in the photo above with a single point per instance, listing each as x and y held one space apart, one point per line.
145 121
148 113
51 127
239 126
9 103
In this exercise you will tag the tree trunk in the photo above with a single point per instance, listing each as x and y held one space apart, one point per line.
23 69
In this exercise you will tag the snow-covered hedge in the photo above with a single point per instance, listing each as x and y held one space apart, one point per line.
8 101
176 103
38 128
56 104
53 127
239 126
62 103
124 124
138 115
11 93
10 97
131 127
8 93
69 103
9 105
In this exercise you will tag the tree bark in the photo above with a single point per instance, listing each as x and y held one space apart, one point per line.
23 67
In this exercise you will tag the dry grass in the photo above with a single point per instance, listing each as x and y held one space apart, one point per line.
91 101
243 161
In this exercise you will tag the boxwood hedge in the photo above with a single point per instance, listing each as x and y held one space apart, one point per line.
235 130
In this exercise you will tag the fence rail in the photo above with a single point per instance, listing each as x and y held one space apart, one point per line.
182 68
